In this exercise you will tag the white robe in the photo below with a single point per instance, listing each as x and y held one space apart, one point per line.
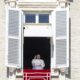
38 64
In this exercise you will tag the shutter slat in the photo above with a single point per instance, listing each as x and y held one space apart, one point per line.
13 23
14 37
60 37
61 51
13 50
61 23
61 29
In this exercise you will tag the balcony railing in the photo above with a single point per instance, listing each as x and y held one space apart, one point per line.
37 75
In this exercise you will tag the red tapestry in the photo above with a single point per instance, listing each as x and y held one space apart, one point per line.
36 74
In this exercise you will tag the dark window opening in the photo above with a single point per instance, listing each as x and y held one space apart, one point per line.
33 46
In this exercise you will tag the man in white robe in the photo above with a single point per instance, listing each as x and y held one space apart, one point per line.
38 63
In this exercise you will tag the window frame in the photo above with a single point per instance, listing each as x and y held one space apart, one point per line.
37 16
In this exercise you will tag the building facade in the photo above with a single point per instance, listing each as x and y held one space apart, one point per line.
59 70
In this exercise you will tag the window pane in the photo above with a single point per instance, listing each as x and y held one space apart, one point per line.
30 18
43 18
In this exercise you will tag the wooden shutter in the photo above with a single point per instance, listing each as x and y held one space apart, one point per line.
13 37
61 37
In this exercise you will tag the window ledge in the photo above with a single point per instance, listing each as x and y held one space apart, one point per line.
37 24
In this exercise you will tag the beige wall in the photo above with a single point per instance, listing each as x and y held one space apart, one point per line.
2 42
75 39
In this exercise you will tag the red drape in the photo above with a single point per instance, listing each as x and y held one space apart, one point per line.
36 74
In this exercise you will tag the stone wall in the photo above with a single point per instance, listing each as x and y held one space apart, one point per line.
75 41
2 41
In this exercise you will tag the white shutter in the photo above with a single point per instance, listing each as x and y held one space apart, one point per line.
13 37
61 37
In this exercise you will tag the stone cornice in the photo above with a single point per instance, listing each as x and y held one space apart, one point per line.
37 4
8 1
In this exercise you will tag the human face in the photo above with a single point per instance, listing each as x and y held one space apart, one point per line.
38 56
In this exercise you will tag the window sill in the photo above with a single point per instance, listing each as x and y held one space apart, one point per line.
37 24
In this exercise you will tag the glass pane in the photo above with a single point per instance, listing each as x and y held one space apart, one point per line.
30 18
43 18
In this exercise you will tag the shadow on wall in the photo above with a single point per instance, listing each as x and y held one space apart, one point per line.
69 69
70 0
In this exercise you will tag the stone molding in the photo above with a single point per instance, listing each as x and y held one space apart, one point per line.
37 5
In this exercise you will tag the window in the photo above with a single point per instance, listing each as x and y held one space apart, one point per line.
37 17
43 18
30 18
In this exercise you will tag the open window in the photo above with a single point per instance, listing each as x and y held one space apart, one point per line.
36 45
